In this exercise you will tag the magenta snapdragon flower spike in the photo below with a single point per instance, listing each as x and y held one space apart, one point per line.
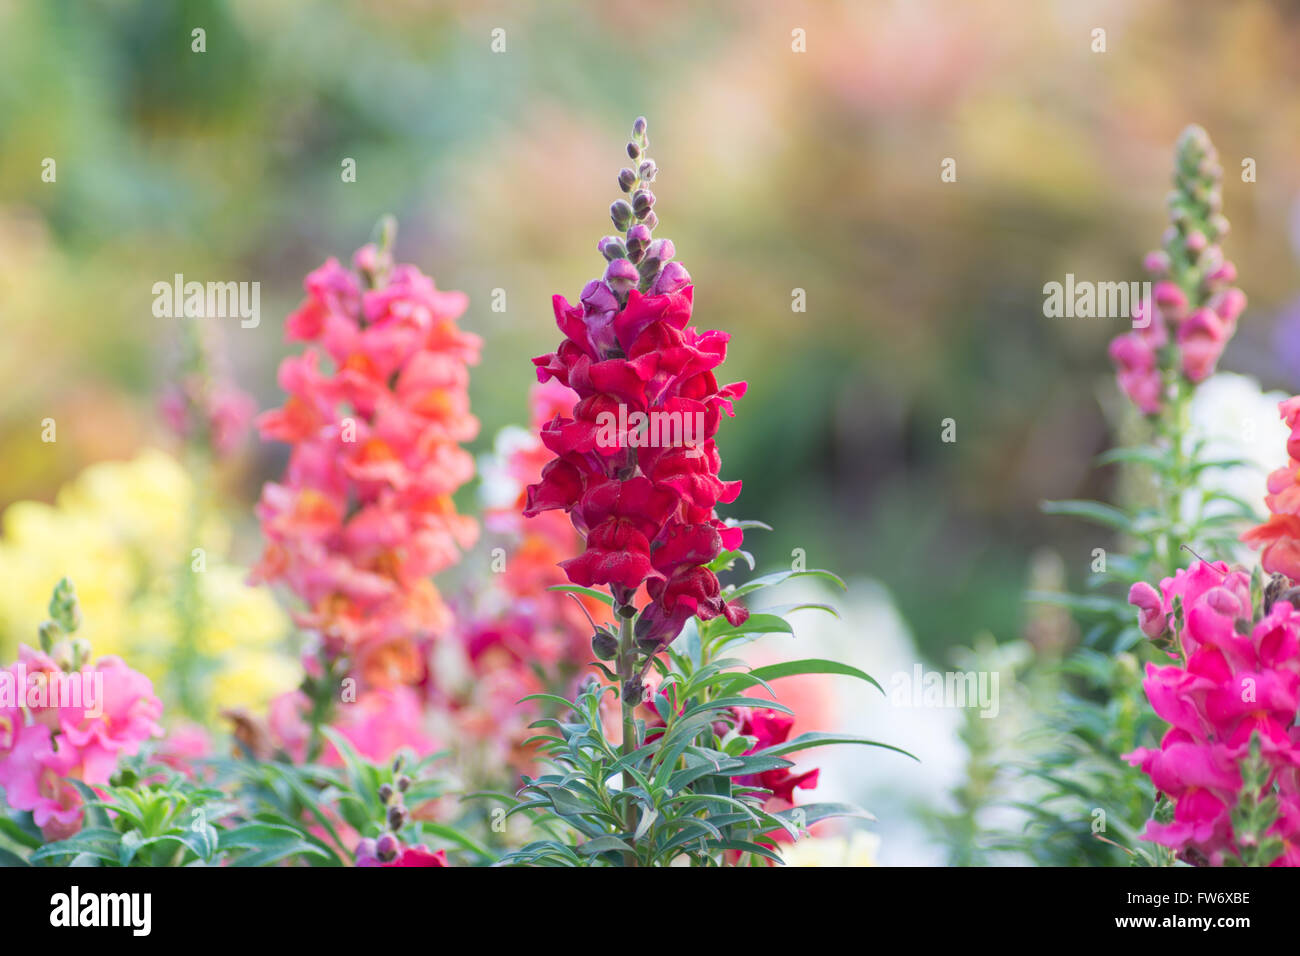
1196 305
636 466
1229 764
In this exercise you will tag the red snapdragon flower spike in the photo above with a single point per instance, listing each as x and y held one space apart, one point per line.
636 466
378 406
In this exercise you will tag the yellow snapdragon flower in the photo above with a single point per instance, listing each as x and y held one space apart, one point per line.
126 534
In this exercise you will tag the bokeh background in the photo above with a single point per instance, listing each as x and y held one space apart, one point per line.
780 170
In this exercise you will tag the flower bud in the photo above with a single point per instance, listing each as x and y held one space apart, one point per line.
638 237
633 151
604 644
626 179
611 247
387 847
385 792
1225 273
650 219
1196 242
367 851
50 634
621 213
643 201
661 249
1157 263
621 276
672 278
633 689
403 783
639 126
648 170
396 817
1228 304
81 651
598 297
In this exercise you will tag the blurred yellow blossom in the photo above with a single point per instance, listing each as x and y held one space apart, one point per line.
856 849
126 533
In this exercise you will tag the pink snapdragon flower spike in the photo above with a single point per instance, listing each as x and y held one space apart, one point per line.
635 464
74 720
377 407
1195 309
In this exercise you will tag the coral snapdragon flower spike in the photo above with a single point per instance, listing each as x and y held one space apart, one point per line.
1279 535
636 467
378 406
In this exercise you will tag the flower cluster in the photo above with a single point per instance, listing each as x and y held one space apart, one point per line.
65 718
1239 684
1195 301
204 405
215 409
149 558
770 727
517 637
1279 536
639 490
364 515
559 634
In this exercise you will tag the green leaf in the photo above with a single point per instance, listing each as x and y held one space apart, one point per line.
453 835
1143 455
131 841
754 624
275 852
1093 511
21 830
10 858
567 803
590 592
809 813
814 739
780 577
811 665
255 836
603 844
747 524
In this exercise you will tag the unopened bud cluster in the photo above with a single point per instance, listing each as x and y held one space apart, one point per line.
56 633
636 260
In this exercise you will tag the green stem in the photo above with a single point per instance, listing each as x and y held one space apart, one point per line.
626 665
